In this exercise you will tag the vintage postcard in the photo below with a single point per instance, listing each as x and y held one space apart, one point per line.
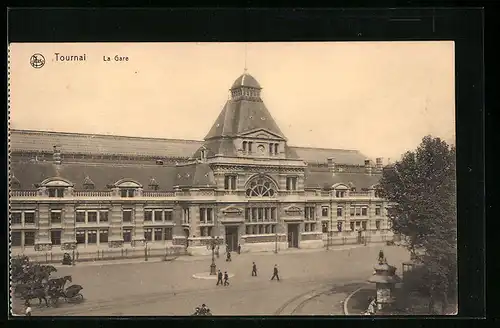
232 179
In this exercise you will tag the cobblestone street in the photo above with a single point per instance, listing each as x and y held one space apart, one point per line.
167 288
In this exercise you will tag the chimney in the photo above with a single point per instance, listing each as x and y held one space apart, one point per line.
56 156
368 167
331 165
379 163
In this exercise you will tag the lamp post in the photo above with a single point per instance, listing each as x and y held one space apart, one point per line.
146 251
214 242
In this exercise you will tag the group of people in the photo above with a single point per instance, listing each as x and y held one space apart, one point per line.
223 278
203 310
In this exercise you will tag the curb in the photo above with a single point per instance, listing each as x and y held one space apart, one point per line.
206 276
346 312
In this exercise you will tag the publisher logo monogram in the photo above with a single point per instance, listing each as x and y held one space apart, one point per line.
37 61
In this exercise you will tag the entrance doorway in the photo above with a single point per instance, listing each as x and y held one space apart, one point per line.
293 235
232 238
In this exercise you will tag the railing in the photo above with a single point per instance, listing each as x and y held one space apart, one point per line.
92 193
158 194
360 193
24 193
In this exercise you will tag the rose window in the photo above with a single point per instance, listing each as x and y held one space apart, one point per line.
260 187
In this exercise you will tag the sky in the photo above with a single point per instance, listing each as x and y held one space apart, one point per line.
380 98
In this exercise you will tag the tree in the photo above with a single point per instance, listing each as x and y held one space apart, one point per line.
421 190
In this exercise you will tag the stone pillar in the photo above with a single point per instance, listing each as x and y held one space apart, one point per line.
115 239
138 220
42 242
178 236
68 238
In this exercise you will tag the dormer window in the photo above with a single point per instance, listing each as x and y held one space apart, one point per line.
250 144
153 184
203 154
56 192
126 192
14 183
88 184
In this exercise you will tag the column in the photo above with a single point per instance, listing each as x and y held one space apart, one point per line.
138 219
178 236
115 237
194 225
42 242
68 236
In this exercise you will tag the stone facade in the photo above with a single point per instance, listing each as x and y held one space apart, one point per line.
245 185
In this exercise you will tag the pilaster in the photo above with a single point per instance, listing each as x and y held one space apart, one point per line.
115 227
138 220
68 240
42 241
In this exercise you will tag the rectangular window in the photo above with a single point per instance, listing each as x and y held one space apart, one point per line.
274 216
127 235
148 216
309 213
324 211
29 217
352 226
352 210
103 216
339 211
203 213
158 233
186 216
123 193
255 230
273 228
92 237
55 217
167 233
209 215
55 237
80 236
358 211
261 214
267 212
56 192
226 182
148 234
364 211
16 238
247 214
92 217
29 238
15 218
103 236
324 227
254 214
168 216
248 230
378 210
127 216
377 224
363 225
291 183
80 217
158 216
306 227
52 192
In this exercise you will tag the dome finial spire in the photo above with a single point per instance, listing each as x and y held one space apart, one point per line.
245 69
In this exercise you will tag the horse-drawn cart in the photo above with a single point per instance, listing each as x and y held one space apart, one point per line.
71 295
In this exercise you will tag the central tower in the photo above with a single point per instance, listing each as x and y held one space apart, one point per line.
245 128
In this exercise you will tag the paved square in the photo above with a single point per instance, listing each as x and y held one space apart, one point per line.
167 288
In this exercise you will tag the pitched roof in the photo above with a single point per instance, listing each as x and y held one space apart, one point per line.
320 155
315 179
242 116
78 143
102 175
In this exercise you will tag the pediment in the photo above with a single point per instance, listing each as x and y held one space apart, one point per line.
128 183
232 211
261 134
293 211
56 182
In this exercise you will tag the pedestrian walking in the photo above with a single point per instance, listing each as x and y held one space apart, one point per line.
228 257
217 251
239 249
226 279
275 273
219 278
254 269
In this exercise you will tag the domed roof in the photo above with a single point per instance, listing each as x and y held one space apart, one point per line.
246 80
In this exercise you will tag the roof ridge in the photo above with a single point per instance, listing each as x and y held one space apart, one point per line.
321 148
111 136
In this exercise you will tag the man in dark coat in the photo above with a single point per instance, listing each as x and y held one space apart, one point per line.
219 278
239 249
275 273
226 279
254 269
228 257
381 257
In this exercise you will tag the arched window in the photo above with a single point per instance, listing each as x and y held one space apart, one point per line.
261 186
244 146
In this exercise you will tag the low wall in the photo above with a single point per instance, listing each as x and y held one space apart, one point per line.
263 247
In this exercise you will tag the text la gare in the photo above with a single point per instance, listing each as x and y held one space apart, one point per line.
116 58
